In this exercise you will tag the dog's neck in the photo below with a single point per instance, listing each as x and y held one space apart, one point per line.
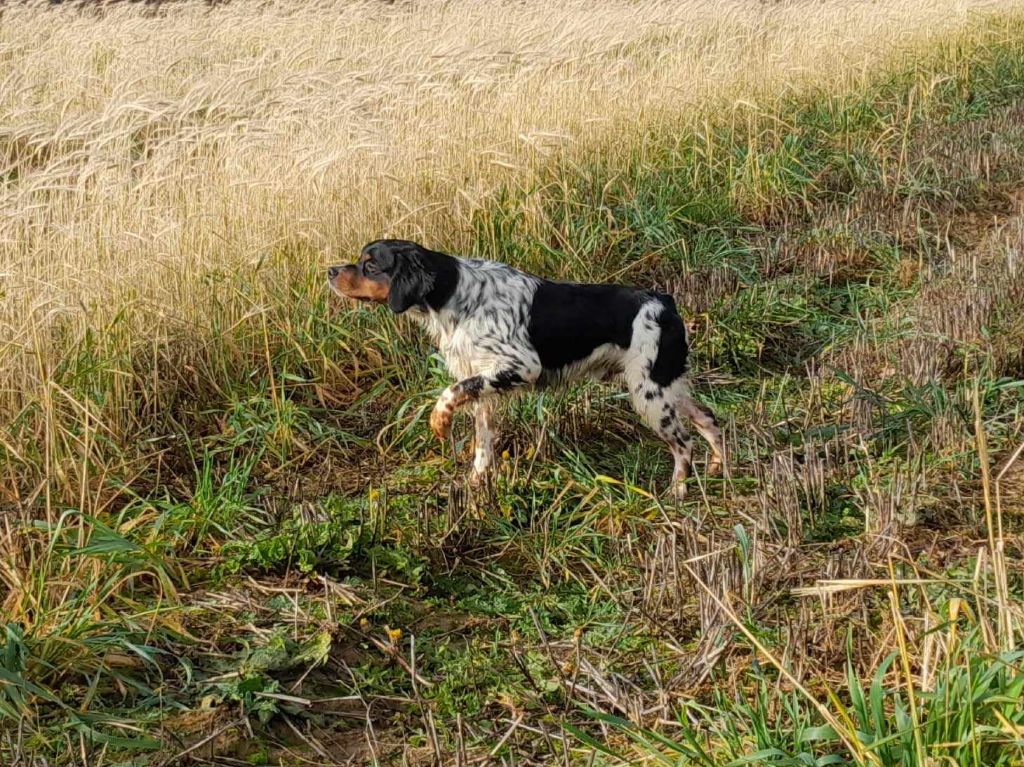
439 324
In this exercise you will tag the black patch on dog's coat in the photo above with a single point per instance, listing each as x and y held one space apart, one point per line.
555 328
670 363
471 386
506 380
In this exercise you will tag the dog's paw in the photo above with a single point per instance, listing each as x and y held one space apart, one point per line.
441 422
679 490
715 466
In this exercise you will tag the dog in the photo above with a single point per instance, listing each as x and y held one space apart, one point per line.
500 330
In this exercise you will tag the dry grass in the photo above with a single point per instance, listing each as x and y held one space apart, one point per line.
142 151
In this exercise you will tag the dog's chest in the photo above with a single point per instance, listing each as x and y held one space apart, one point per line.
459 350
455 344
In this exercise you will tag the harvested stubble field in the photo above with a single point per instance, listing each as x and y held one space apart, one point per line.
226 533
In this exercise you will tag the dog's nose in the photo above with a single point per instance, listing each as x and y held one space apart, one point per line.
332 272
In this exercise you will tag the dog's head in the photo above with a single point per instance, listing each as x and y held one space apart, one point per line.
398 273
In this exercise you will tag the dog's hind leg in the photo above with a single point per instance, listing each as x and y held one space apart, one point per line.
658 407
655 372
705 422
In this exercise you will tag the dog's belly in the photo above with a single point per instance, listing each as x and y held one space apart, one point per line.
603 363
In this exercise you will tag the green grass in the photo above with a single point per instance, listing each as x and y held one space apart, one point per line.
272 543
971 716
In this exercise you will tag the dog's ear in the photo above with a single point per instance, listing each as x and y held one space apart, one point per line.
383 258
411 281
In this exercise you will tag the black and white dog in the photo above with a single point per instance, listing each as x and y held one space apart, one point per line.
500 329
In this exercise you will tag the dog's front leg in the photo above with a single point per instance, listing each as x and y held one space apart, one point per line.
483 452
472 389
451 399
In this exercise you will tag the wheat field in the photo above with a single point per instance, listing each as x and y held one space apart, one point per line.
226 533
144 150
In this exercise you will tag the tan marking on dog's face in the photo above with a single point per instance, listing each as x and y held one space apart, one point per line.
361 281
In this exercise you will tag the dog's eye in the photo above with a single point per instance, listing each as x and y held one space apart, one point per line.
370 268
